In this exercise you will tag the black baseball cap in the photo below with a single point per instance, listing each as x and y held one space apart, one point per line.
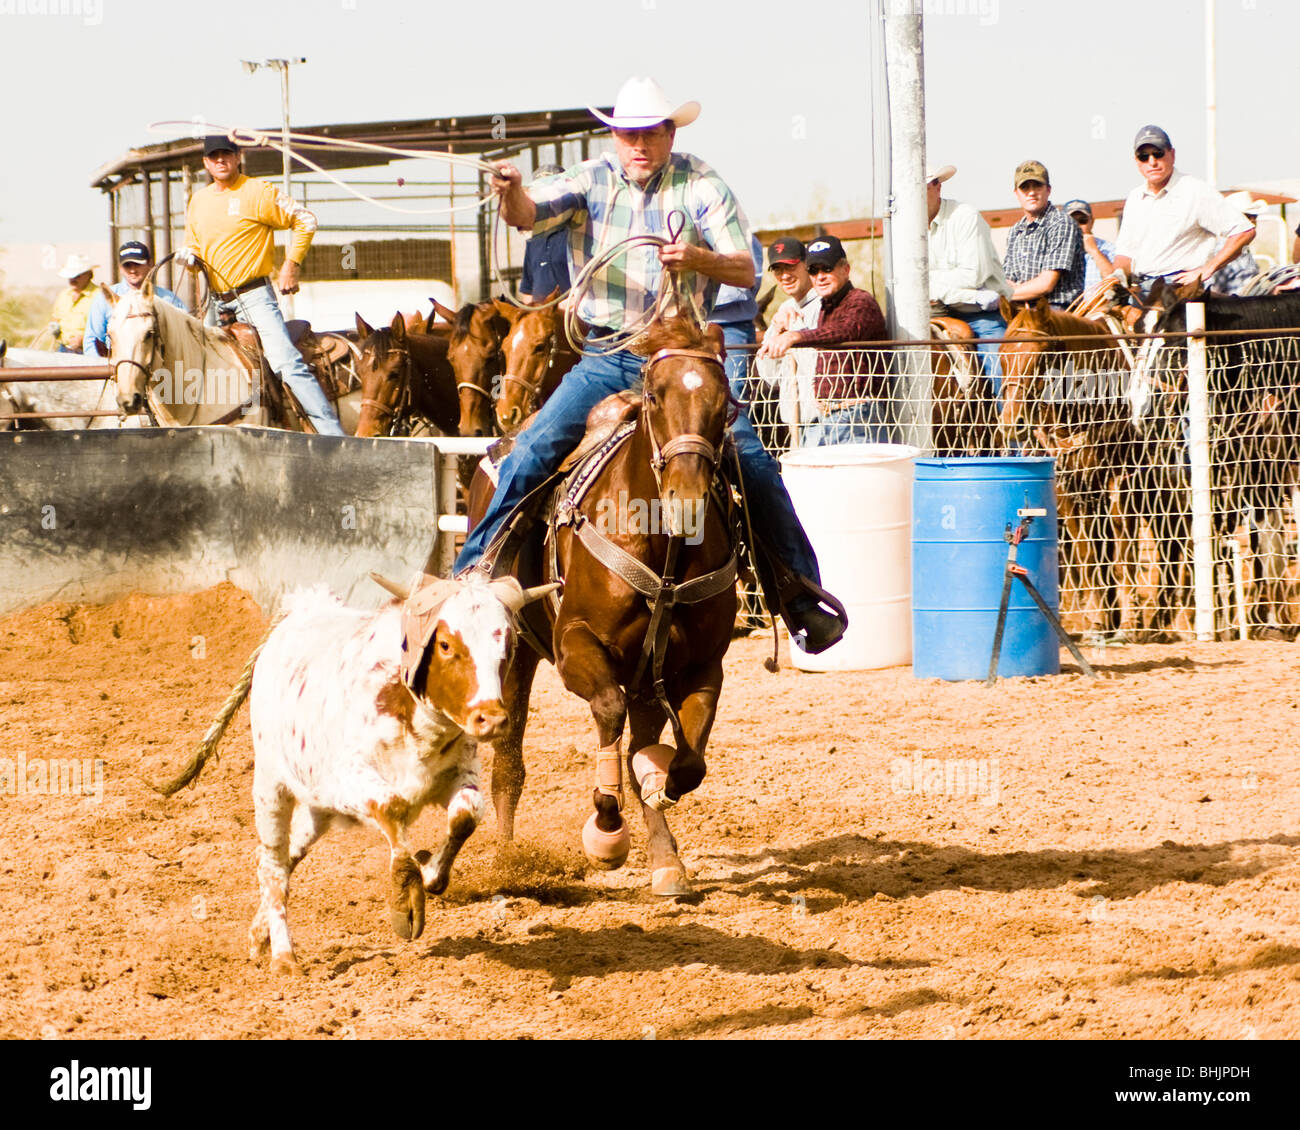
133 251
1152 135
825 250
218 141
788 250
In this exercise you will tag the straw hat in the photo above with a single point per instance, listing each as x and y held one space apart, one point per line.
1246 204
76 265
941 174
642 104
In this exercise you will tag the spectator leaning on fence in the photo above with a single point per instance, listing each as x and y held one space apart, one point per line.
1098 252
134 260
1171 223
1045 247
72 307
230 225
792 374
1234 276
848 314
966 278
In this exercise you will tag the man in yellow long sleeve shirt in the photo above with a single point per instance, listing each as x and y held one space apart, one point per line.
230 225
72 307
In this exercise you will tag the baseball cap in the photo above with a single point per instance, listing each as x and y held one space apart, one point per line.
1152 135
133 251
216 141
941 174
825 250
1030 170
788 250
1072 206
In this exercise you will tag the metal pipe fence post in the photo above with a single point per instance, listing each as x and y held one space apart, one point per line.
448 481
1198 410
910 226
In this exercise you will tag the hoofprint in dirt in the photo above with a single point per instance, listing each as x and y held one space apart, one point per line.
872 855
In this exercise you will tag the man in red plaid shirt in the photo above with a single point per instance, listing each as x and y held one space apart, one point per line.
851 388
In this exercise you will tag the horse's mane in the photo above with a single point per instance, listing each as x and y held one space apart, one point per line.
674 333
1056 323
381 342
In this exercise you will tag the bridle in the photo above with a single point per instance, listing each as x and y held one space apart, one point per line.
156 351
688 443
403 375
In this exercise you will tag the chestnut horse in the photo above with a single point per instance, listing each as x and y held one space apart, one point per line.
1085 426
404 376
654 510
536 355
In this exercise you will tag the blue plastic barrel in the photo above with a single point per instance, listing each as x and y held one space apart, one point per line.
960 512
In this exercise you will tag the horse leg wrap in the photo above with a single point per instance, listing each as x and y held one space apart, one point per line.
609 771
650 768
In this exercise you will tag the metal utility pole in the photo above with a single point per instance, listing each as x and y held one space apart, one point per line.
1211 110
910 219
281 65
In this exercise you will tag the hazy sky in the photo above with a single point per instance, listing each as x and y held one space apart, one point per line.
784 86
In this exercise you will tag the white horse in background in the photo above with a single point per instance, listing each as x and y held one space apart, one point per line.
58 396
178 370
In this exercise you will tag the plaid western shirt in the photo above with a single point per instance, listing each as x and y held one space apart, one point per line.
601 205
1052 243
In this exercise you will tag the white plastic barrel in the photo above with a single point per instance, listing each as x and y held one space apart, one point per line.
855 502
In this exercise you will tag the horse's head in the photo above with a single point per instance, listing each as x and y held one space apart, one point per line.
1021 360
475 356
685 402
135 345
385 373
1163 311
526 353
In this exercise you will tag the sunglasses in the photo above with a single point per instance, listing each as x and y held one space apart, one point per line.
1147 155
820 269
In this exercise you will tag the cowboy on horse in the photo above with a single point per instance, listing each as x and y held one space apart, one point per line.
633 192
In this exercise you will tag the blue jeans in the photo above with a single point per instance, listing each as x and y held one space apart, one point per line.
859 423
261 310
558 428
987 325
738 333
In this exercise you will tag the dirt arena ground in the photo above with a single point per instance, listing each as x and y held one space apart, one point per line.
872 856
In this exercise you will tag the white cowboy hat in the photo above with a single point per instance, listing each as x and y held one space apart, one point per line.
76 265
941 174
642 104
1246 204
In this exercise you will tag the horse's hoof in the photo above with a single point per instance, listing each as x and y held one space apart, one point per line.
286 965
669 881
606 850
650 768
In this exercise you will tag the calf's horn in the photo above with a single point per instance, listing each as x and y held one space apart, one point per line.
399 591
514 596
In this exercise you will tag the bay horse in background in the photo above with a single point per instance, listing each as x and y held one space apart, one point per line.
536 355
1076 413
1254 427
601 633
963 411
406 378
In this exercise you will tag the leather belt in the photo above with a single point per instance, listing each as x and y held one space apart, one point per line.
243 288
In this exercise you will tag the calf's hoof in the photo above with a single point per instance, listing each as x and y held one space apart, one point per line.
606 850
286 965
669 881
650 768
407 909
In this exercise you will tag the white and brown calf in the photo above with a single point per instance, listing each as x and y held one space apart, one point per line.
340 735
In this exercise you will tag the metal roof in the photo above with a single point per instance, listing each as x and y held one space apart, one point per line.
489 134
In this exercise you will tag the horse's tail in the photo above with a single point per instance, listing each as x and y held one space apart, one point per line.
208 746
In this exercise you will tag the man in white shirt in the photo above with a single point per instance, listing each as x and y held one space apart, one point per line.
1173 223
792 374
966 276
